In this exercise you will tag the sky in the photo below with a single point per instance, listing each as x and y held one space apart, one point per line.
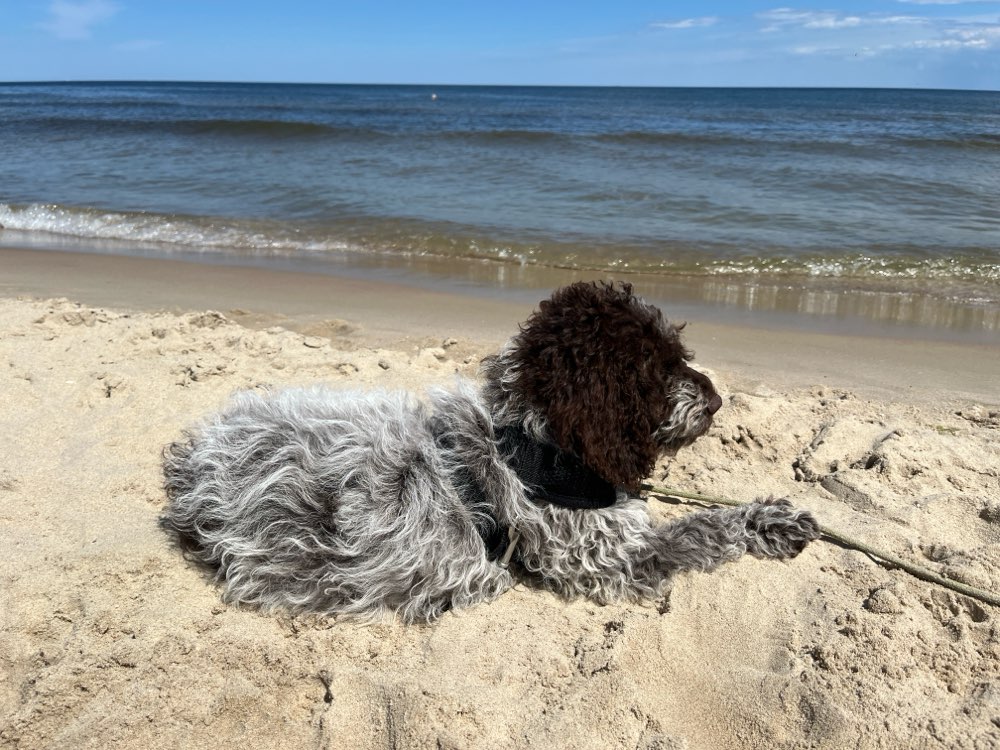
884 43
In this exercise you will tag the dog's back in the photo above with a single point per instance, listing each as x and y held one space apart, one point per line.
318 500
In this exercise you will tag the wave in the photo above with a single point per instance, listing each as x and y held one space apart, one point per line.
873 264
671 138
822 143
374 236
503 135
262 128
277 129
165 230
267 129
237 128
963 141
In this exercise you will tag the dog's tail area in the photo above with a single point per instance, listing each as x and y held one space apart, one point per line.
180 479
177 479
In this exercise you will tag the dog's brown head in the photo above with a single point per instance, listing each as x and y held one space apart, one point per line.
610 377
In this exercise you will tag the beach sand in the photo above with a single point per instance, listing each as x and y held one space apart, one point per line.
110 638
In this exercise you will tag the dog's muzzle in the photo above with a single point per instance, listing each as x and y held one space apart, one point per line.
713 399
714 404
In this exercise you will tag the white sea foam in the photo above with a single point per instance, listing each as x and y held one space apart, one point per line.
164 230
185 233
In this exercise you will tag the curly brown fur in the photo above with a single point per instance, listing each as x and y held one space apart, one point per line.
600 366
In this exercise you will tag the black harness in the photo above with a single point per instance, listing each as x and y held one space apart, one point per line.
554 476
551 476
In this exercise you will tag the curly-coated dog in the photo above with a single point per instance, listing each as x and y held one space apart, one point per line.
315 500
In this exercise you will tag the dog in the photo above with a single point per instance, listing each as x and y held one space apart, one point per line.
380 503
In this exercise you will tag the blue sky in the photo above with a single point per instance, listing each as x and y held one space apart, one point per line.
907 43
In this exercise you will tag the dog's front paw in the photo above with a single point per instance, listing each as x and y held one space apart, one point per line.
778 530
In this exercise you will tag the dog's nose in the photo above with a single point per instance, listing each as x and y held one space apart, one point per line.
715 404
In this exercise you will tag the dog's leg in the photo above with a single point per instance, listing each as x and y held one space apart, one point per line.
706 539
631 559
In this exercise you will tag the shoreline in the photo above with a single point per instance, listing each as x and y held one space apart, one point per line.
841 305
406 311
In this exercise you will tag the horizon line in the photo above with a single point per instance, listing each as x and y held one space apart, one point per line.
92 81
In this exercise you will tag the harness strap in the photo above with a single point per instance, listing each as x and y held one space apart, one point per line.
551 476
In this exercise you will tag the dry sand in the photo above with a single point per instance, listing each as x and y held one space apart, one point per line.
110 638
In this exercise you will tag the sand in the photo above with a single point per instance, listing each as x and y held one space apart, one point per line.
110 638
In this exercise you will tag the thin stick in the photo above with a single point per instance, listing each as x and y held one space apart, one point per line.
911 568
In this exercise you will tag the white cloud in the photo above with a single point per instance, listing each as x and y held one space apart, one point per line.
977 43
864 35
812 49
833 22
951 40
73 20
976 32
784 16
687 23
810 19
900 20
969 36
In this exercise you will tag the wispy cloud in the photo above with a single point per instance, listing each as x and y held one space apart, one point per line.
944 44
687 23
74 20
810 32
808 19
784 18
973 36
981 42
968 37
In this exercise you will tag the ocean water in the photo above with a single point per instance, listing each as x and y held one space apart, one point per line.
843 192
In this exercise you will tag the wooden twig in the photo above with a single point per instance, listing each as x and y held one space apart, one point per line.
917 571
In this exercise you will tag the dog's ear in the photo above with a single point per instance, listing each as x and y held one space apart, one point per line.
597 362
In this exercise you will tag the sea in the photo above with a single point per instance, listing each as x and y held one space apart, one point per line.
859 207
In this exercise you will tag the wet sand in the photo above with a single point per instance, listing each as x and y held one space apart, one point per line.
392 311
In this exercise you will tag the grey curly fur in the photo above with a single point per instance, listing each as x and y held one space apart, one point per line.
315 500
